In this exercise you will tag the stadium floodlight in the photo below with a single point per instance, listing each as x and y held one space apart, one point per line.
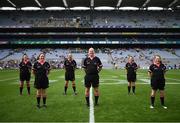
80 8
145 3
155 8
65 3
39 4
7 8
92 3
173 2
119 3
104 8
54 8
129 8
11 3
30 8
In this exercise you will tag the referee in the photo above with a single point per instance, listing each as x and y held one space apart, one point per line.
92 66
70 66
156 72
25 73
131 68
41 70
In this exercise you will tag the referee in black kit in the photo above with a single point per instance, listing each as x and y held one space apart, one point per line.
157 74
25 73
92 66
70 67
131 68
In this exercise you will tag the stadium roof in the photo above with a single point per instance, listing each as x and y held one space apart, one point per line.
69 4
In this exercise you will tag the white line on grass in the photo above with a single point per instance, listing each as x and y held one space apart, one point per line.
145 80
173 79
91 108
8 79
31 81
117 83
166 77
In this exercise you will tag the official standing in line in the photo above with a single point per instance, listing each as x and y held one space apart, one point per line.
92 66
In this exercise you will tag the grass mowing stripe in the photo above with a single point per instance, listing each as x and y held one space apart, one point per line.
91 108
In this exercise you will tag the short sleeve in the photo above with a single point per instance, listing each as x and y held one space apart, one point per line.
151 69
99 63
126 66
20 65
29 65
164 68
84 65
65 63
35 66
135 66
75 64
48 66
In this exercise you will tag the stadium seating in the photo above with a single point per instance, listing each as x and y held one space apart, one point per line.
109 57
97 19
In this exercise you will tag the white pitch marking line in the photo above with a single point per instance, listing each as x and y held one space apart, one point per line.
173 79
8 79
91 109
174 83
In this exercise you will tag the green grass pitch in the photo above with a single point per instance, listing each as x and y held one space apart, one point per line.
115 104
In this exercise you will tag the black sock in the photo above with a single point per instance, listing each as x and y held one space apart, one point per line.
38 100
129 89
152 100
20 89
96 100
74 88
65 89
44 100
28 88
162 100
87 100
133 89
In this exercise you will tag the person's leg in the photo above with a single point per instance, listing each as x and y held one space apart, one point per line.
129 87
66 87
87 90
21 87
44 97
153 94
28 86
38 97
74 87
162 93
96 95
133 87
162 97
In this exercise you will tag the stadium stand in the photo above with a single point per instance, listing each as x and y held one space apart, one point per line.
96 19
110 57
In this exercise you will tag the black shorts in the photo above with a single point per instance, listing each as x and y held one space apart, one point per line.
69 76
91 80
158 84
41 82
131 78
25 77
